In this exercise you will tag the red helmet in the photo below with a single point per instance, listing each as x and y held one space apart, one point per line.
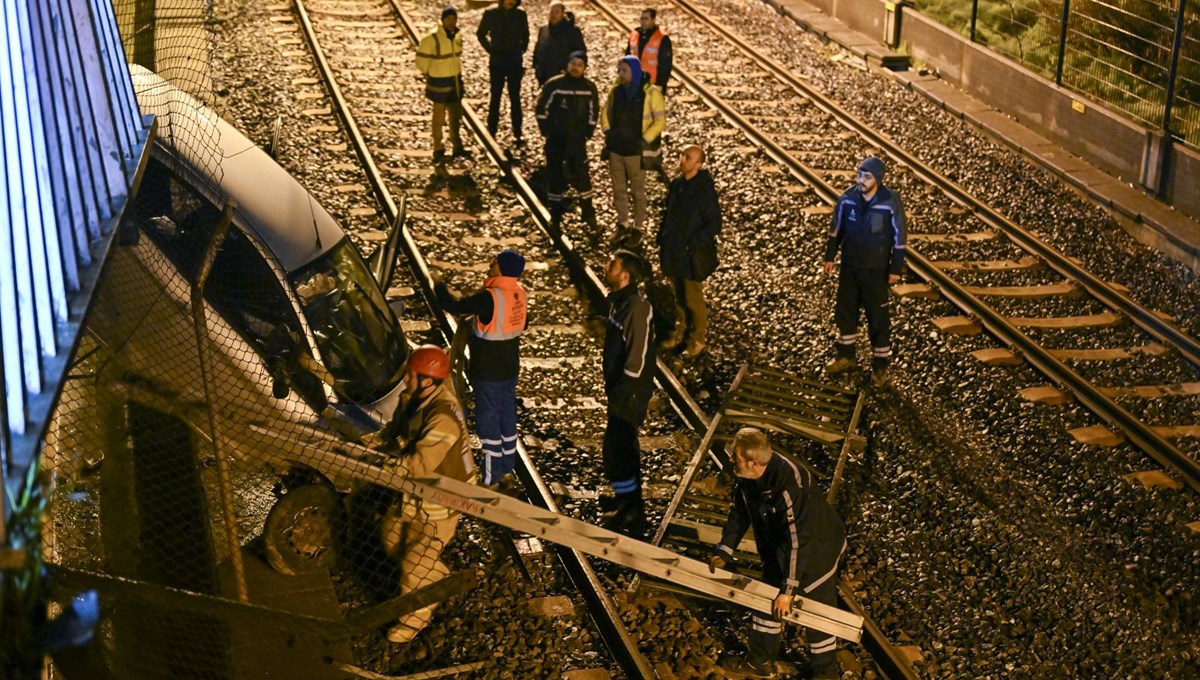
431 361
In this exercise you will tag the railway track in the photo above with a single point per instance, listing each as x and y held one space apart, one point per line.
809 156
846 160
831 142
362 123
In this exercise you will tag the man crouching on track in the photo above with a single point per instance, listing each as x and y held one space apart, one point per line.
429 434
628 383
800 540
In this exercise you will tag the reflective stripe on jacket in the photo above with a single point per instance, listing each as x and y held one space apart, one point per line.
508 311
649 54
439 57
654 115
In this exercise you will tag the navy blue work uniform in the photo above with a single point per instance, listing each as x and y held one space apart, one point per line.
872 238
568 110
800 540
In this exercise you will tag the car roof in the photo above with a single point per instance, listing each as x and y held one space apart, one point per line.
284 216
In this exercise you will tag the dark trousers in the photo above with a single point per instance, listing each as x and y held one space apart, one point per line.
566 158
622 456
505 72
819 585
865 289
496 426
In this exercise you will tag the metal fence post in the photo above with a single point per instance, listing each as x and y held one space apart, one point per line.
974 17
1173 69
1062 42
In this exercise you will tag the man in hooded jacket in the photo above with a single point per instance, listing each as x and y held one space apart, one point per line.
687 248
504 34
632 119
555 43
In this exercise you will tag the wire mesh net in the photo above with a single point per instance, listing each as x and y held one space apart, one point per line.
207 480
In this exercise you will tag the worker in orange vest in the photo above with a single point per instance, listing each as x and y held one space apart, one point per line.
499 308
653 48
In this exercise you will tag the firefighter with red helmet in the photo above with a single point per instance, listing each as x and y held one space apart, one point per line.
428 434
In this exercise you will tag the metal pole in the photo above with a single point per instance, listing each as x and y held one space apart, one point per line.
200 325
974 17
1062 42
1173 70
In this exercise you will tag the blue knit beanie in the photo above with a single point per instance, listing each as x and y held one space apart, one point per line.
874 166
578 54
449 11
511 263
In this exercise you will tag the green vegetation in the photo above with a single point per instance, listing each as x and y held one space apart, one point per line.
1118 51
22 592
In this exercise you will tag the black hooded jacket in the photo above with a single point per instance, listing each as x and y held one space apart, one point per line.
555 43
504 33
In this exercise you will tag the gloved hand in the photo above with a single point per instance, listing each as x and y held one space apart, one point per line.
716 562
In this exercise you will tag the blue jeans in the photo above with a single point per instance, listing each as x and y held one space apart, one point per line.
496 425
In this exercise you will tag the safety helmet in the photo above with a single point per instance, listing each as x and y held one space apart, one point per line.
431 361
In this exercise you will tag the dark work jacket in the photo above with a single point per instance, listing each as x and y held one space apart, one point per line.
692 216
504 33
491 360
792 522
554 46
568 108
629 355
870 233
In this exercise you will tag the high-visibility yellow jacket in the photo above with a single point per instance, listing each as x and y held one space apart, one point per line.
654 116
439 57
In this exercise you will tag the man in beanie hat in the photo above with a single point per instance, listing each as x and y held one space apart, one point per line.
567 112
499 308
555 43
633 119
504 33
439 58
868 225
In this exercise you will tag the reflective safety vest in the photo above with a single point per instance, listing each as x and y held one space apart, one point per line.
648 55
508 309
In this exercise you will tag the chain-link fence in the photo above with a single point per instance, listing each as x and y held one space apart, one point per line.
207 483
1141 57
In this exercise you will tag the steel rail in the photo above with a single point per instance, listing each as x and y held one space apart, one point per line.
891 663
1138 432
601 606
1116 300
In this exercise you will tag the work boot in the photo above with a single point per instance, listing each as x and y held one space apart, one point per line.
619 237
439 155
879 377
633 238
629 518
588 212
675 339
695 348
743 668
839 365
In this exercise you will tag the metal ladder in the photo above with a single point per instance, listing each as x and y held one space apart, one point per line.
338 459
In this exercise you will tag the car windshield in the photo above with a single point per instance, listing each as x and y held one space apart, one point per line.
360 341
